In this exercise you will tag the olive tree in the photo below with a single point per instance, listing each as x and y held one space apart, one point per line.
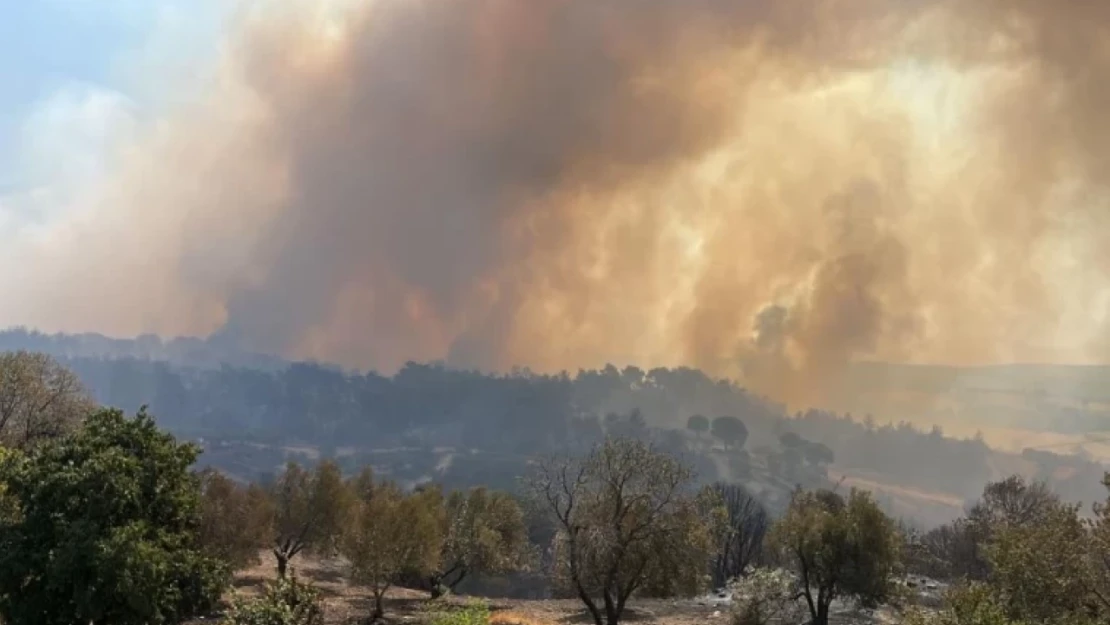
309 509
391 533
231 515
625 523
483 532
838 548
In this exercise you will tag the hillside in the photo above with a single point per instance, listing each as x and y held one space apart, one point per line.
431 422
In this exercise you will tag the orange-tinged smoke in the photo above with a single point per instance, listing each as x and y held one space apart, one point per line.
762 188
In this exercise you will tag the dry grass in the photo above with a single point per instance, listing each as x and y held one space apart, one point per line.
510 617
345 603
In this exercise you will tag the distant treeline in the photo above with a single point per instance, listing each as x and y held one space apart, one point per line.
521 413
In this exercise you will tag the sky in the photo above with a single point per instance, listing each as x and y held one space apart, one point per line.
774 186
74 74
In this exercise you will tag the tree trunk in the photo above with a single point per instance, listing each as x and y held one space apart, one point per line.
282 563
379 608
436 583
822 613
452 585
612 611
591 605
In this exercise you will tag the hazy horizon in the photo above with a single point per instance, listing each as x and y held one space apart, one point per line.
762 190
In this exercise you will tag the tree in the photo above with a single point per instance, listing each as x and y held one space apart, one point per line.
1011 502
739 544
1041 572
819 454
104 529
390 534
698 424
39 399
624 520
309 509
484 532
230 518
948 552
790 440
731 431
838 548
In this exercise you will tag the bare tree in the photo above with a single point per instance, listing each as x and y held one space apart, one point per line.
625 524
740 541
39 399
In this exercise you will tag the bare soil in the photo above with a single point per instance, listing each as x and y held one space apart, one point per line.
348 604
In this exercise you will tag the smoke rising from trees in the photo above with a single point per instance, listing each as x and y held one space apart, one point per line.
764 188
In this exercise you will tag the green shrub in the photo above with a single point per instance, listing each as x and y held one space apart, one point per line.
475 613
285 601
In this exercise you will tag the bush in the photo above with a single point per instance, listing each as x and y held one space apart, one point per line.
766 596
100 526
285 601
475 613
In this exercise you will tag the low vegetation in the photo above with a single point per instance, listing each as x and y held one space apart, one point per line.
106 519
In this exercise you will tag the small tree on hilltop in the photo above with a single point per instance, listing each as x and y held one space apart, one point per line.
484 532
389 535
698 424
100 527
731 431
624 519
838 549
309 509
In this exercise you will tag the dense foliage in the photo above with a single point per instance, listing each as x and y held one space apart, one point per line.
101 527
626 524
839 548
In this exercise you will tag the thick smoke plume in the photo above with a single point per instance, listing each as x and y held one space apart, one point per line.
763 188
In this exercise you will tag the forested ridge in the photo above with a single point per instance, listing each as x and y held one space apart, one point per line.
430 420
108 519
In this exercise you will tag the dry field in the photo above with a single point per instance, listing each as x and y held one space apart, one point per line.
345 603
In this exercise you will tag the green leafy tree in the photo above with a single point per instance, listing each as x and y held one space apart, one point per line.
731 431
309 509
698 424
624 521
483 533
231 515
1041 571
103 529
1009 503
391 534
846 549
1099 544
